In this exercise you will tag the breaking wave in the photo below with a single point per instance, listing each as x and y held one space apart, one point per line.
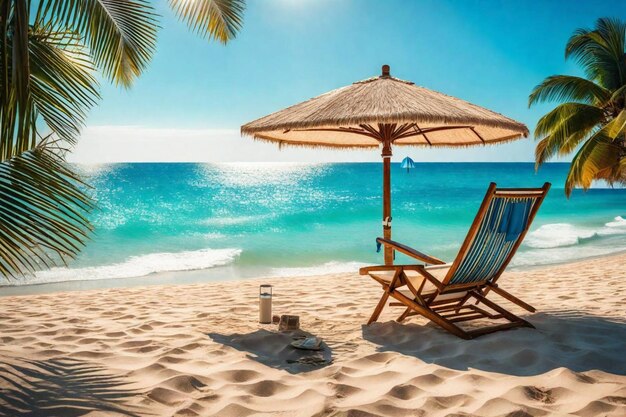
141 265
557 235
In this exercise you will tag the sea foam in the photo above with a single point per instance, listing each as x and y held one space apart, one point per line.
141 265
557 235
618 221
562 242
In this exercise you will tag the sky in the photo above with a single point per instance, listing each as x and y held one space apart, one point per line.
190 102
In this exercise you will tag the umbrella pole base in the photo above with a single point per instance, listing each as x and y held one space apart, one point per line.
388 250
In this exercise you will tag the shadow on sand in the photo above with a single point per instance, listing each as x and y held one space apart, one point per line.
273 349
61 387
568 339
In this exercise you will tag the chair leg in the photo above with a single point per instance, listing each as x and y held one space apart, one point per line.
508 296
513 299
431 315
404 315
379 307
505 313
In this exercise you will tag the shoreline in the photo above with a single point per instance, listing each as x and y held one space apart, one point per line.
219 274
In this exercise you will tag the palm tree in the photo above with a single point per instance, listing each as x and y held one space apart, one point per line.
50 51
592 117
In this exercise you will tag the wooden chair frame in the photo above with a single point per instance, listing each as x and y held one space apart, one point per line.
447 312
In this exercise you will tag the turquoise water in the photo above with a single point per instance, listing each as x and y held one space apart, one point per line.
301 219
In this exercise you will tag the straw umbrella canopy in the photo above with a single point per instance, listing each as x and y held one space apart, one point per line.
384 112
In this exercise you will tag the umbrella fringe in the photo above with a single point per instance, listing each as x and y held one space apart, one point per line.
296 144
254 126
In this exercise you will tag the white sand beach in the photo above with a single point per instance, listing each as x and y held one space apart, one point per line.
198 350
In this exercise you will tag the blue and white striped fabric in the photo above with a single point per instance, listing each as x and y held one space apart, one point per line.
499 231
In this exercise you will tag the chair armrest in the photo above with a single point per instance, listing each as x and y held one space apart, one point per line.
367 269
410 251
417 268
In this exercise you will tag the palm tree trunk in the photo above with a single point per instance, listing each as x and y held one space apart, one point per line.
21 68
5 119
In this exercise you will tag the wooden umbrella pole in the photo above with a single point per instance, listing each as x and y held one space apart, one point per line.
386 154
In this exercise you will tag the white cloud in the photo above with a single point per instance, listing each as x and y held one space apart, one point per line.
105 144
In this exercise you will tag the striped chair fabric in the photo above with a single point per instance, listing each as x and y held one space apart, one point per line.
495 238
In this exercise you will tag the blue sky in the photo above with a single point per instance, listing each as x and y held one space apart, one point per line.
189 104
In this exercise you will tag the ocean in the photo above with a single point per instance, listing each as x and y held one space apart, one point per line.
232 221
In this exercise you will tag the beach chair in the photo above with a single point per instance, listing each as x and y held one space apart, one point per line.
449 293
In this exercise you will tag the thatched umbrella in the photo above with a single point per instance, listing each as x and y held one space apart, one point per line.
384 111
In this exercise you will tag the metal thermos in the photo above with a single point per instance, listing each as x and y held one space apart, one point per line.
265 304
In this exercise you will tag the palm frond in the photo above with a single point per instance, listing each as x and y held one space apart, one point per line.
618 98
564 128
63 87
570 88
578 115
598 159
213 19
43 209
121 34
616 128
601 52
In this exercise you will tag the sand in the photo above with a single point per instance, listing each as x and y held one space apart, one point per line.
198 350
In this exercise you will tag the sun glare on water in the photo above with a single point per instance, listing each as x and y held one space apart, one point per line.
258 173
